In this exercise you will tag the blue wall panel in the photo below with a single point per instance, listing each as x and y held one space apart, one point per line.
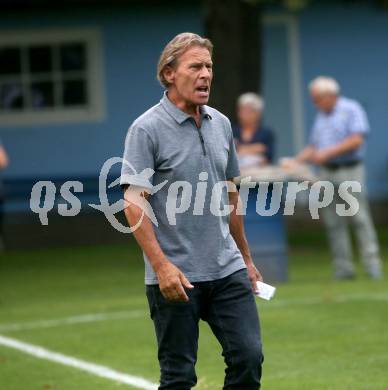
276 86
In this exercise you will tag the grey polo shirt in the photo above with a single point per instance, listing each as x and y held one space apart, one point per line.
166 141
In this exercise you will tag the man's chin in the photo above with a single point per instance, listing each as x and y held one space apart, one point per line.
201 101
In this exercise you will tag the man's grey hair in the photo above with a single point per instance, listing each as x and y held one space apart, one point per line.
252 100
324 84
175 48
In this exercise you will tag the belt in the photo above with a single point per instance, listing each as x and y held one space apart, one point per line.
344 164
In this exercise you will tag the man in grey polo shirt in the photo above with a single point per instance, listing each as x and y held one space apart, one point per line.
180 157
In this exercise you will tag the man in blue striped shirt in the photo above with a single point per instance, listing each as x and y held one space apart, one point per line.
337 145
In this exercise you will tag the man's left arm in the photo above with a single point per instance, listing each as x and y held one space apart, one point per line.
352 142
358 127
236 223
236 227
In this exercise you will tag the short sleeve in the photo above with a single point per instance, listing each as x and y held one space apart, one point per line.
232 167
358 121
138 160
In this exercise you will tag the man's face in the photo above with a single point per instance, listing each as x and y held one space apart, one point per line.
248 116
323 101
190 79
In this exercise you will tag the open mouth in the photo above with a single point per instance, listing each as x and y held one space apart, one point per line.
203 90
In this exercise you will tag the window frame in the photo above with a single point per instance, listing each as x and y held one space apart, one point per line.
95 107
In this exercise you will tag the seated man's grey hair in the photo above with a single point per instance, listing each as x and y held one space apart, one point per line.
252 100
177 46
323 84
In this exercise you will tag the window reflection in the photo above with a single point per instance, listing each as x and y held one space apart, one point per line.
11 96
43 76
73 57
42 95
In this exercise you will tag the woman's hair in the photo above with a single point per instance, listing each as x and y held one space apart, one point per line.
252 100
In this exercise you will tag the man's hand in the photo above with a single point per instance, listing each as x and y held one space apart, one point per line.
289 163
254 275
321 157
350 143
172 282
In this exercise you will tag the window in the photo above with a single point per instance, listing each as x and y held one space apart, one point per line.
50 76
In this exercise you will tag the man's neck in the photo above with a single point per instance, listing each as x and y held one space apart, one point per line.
190 109
332 108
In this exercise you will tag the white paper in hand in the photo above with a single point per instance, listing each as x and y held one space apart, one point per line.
266 291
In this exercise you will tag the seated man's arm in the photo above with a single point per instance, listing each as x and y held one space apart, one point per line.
306 155
350 143
171 280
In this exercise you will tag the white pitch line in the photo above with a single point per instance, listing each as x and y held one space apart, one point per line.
95 369
85 318
97 317
328 299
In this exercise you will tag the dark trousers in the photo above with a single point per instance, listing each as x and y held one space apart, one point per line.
228 306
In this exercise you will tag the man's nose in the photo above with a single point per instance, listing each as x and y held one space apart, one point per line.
205 73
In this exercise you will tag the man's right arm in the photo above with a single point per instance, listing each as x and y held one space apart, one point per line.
306 154
171 280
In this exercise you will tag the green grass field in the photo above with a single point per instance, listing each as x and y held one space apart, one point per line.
317 333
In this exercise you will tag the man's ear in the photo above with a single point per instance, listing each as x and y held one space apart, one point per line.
169 74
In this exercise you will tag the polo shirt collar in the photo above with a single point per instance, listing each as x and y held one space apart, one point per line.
179 115
337 106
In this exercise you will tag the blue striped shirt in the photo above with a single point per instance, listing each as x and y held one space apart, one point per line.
347 118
